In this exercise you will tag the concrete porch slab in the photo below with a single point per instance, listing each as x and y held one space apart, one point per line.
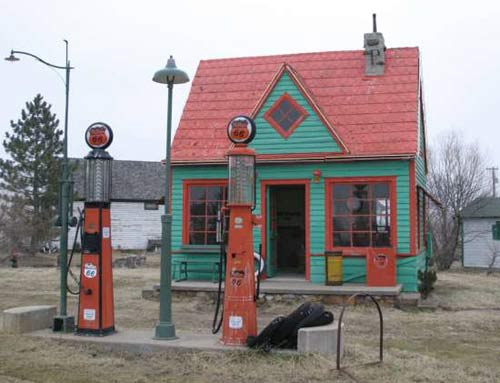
142 341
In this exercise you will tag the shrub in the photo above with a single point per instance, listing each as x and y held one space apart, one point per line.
427 279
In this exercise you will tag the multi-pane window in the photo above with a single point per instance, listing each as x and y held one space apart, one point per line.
285 115
204 201
361 215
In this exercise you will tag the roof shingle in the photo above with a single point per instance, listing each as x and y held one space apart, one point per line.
485 207
373 115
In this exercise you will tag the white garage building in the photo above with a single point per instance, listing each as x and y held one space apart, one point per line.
137 202
479 247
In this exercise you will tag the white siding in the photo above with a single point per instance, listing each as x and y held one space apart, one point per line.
131 225
479 245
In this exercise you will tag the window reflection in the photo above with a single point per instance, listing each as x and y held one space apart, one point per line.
204 203
361 214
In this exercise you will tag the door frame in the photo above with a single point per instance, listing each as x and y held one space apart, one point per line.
264 185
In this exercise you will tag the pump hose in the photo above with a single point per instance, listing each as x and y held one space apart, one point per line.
222 260
68 268
259 268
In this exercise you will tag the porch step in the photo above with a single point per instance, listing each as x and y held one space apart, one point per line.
295 287
288 291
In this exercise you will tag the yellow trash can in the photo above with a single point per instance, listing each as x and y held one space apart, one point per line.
333 268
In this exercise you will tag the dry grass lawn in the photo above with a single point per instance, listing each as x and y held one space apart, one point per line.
457 342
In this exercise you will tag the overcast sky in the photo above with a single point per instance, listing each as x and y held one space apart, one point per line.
116 46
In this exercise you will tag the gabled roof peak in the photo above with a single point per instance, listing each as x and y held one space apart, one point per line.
287 68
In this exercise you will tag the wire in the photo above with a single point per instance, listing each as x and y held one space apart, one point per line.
257 293
59 75
78 227
222 259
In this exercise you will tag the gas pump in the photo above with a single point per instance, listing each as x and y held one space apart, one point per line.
95 306
240 316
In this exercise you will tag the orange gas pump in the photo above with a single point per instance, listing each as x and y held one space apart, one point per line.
240 314
95 305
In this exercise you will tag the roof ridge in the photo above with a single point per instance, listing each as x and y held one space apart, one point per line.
299 54
117 160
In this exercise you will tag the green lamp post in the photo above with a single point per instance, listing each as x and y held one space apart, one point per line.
165 329
62 322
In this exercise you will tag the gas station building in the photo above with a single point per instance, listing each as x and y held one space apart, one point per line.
341 160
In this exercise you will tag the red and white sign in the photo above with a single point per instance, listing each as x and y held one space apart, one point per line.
99 135
380 260
241 130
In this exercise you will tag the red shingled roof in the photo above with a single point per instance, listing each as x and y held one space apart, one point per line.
373 115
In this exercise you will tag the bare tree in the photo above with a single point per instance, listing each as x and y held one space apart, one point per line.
456 178
494 254
15 226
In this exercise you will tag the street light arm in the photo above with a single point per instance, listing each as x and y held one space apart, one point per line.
42 61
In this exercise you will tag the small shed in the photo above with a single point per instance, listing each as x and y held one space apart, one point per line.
479 247
341 159
136 201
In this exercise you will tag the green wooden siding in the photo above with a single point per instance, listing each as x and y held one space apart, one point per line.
317 270
354 270
420 172
311 136
178 174
407 273
354 267
421 221
421 176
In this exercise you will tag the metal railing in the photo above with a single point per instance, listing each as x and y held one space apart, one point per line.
381 320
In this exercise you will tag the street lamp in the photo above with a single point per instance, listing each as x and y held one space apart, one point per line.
62 322
165 329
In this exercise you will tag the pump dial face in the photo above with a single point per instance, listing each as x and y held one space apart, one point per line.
99 135
241 130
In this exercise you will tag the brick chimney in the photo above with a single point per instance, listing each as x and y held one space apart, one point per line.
374 51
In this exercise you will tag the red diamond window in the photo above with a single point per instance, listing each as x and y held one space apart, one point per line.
285 115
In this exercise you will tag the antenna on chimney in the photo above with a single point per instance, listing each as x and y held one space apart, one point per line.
374 51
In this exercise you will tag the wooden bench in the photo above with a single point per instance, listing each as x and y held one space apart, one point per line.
186 266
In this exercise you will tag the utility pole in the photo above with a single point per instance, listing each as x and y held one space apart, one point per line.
494 179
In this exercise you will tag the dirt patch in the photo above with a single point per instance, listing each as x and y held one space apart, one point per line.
420 345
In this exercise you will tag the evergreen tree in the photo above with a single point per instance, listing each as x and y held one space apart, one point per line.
30 178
